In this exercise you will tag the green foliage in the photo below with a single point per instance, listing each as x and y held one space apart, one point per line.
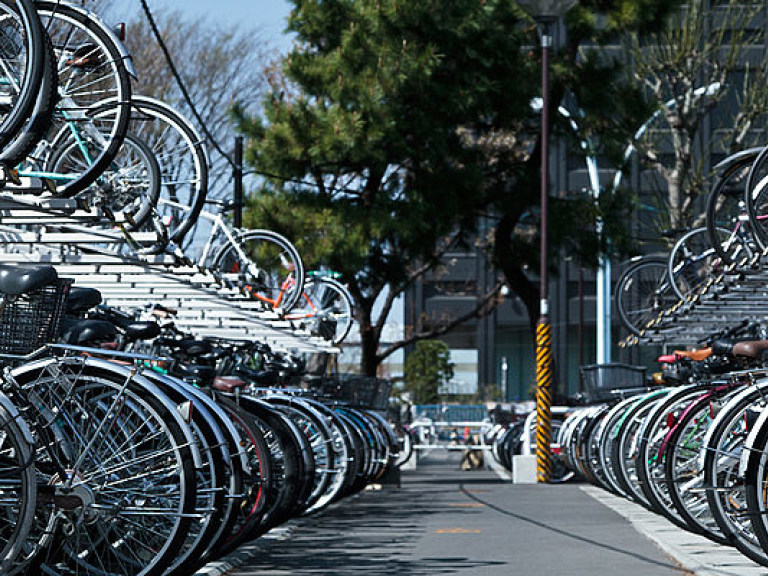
426 368
394 123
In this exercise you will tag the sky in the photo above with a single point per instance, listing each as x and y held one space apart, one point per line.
268 16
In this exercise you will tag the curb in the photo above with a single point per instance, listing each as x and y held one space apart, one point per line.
697 554
248 551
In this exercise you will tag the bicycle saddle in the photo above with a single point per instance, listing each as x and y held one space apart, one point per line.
198 373
228 384
695 355
17 280
750 348
133 329
82 299
88 332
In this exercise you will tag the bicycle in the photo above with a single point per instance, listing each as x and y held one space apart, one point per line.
263 262
325 306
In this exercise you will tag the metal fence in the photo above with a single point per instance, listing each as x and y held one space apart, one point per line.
451 412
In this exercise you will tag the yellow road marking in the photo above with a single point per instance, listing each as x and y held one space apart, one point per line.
457 531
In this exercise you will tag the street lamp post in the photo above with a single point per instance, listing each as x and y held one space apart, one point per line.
546 13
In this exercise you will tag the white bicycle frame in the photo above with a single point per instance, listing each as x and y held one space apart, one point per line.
218 225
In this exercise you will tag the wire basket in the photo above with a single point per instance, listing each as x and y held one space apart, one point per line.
608 381
358 391
31 320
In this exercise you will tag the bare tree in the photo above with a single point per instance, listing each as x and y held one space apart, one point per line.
691 68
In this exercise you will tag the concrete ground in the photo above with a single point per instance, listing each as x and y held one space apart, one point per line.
447 521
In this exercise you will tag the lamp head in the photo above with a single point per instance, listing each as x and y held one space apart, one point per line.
546 10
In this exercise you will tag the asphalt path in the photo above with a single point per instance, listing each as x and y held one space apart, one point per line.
446 521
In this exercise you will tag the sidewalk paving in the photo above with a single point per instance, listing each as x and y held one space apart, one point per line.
447 521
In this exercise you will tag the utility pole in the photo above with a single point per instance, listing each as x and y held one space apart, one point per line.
237 174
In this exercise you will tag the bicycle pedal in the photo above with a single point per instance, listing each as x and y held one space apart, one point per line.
11 175
48 185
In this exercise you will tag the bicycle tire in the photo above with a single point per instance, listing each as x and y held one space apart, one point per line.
131 184
164 454
181 156
255 500
756 198
18 487
727 497
276 262
287 470
692 262
652 437
92 70
642 292
683 474
39 122
625 446
32 38
726 202
325 308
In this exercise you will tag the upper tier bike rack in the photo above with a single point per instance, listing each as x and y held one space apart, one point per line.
738 292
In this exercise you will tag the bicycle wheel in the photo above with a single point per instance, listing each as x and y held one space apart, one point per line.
39 122
115 465
317 431
625 447
693 260
726 209
684 476
726 493
92 69
181 156
653 438
324 308
606 435
756 198
213 476
254 503
287 469
22 64
642 292
131 183
268 263
18 487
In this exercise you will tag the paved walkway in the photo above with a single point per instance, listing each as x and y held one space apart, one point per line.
446 521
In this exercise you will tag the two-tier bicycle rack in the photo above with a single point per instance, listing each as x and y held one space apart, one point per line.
81 243
737 293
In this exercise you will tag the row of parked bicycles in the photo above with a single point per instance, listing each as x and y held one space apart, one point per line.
133 448
693 448
129 446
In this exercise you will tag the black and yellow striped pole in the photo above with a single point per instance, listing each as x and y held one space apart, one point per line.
543 399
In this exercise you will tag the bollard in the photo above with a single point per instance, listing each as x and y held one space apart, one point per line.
543 400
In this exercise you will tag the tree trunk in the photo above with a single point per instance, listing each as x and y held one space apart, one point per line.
369 343
510 263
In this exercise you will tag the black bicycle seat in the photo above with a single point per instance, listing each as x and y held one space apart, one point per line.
82 299
88 332
141 330
16 280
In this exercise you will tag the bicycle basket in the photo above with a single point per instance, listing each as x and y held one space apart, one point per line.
358 391
31 320
607 381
